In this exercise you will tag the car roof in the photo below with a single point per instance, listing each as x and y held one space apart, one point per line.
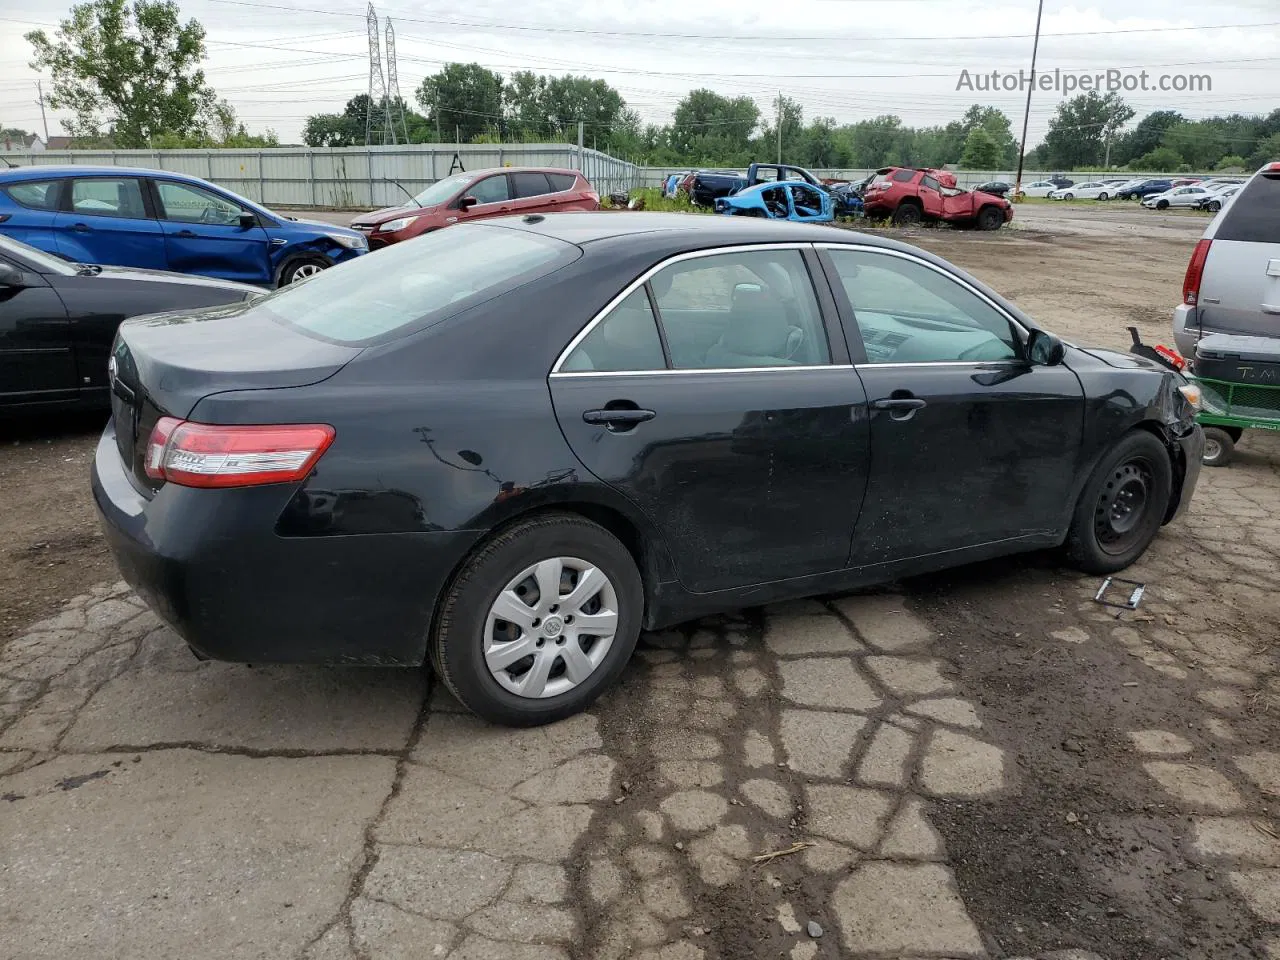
683 229
44 171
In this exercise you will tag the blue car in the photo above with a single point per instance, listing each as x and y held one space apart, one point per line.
158 220
780 200
669 186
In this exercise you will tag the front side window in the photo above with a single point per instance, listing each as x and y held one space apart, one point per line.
184 203
908 312
931 183
108 197
738 310
36 194
626 339
491 189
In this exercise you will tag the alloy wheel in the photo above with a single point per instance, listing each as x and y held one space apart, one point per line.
550 627
1122 508
305 270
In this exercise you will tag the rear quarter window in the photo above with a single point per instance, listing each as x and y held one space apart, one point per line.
1254 216
391 293
36 194
902 176
565 181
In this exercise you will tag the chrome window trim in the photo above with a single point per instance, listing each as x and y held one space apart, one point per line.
902 255
685 371
630 288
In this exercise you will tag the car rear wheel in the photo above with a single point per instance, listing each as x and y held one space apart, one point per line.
539 622
1103 196
1219 447
298 270
907 215
1122 506
1214 206
989 218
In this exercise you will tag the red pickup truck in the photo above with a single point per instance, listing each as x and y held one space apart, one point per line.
909 195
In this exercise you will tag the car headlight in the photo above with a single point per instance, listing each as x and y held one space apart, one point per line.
356 242
1191 391
391 226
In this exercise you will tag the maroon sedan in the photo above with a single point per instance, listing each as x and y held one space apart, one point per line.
476 195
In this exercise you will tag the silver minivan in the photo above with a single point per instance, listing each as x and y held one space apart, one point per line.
1233 280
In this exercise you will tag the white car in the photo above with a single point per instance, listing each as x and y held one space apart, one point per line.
1093 190
1218 197
1041 188
1187 196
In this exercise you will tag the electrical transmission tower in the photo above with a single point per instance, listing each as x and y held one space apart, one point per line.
395 104
377 124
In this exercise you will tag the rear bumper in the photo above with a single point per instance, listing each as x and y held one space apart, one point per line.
1192 451
1185 334
209 563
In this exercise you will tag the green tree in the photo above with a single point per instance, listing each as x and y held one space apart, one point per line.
1268 151
981 152
1079 131
791 115
1145 137
220 128
464 98
1159 160
134 69
1231 161
704 118
876 143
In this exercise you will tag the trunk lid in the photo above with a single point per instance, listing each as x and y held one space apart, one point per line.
164 364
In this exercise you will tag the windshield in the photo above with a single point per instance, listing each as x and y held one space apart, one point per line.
443 190
409 285
44 262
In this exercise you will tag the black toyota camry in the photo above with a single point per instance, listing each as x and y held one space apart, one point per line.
505 448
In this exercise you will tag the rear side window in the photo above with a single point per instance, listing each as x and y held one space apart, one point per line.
108 197
36 194
410 285
565 181
1254 217
530 185
902 176
627 339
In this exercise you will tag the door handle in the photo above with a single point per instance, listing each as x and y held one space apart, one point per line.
185 234
620 419
80 228
899 407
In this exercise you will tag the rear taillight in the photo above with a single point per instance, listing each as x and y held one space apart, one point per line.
216 455
1195 270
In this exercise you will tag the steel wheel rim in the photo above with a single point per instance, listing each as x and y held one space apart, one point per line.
1212 449
550 628
1119 519
304 270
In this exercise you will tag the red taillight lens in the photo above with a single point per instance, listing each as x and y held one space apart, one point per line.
209 455
1195 270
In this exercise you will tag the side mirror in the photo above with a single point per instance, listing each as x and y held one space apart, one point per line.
248 221
466 203
1045 350
10 276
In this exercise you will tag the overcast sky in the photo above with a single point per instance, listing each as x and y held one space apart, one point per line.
279 61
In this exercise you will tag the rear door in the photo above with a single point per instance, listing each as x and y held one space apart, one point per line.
711 397
31 212
203 235
1240 288
110 220
36 359
530 191
970 443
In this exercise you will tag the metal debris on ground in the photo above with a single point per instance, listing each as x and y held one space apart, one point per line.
1135 595
773 855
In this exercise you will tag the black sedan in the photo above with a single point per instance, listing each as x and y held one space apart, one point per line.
508 447
58 319
997 187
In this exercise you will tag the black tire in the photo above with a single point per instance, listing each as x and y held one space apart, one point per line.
457 645
1122 505
1068 196
1103 196
1219 447
907 215
1214 206
990 218
1162 204
300 268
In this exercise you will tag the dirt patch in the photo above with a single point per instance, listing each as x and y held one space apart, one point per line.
50 543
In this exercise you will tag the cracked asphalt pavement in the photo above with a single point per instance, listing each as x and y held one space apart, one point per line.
977 764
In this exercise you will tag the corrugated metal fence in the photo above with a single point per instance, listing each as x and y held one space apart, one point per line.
655 176
349 177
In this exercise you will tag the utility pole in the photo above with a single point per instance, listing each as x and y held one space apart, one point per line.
1107 162
457 133
580 132
1026 116
439 138
43 119
779 121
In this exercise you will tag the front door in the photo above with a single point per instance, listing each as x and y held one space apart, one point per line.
110 222
723 417
970 443
931 196
493 198
203 235
36 360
